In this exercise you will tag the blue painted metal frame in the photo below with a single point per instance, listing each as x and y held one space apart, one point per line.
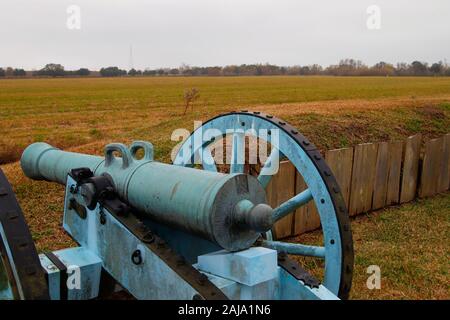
89 270
217 128
185 244
114 244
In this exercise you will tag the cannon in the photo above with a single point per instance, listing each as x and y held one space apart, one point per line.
193 229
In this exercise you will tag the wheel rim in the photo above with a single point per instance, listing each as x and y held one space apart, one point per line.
337 250
21 274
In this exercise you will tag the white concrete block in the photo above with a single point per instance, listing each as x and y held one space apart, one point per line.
249 267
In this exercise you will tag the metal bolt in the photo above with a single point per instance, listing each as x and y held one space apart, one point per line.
51 267
202 279
148 237
136 257
102 217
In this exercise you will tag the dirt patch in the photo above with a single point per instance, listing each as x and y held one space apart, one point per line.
432 111
9 153
342 106
337 124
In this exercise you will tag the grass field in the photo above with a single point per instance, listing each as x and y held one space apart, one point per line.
85 114
74 112
409 243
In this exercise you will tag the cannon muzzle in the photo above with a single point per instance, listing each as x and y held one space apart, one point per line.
228 209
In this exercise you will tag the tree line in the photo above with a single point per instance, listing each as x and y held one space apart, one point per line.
346 67
50 70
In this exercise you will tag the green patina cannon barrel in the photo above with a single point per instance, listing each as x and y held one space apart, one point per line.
228 209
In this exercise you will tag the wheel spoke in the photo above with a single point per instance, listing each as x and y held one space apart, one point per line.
295 248
267 170
208 160
290 205
238 153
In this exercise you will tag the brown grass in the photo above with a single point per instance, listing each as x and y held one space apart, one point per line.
409 243
344 106
84 115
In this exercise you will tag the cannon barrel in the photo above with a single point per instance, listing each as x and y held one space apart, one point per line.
228 209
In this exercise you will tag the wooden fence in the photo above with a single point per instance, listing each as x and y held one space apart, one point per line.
371 176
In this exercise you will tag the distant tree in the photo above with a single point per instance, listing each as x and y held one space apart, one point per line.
293 70
2 72
82 72
112 72
190 96
419 69
350 67
174 71
53 70
232 70
315 69
149 72
132 72
19 73
268 69
9 72
382 69
212 71
248 69
402 69
437 68
304 70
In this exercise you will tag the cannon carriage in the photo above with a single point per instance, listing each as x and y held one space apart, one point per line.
187 230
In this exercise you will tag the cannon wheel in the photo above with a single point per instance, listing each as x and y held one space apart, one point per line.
21 274
337 250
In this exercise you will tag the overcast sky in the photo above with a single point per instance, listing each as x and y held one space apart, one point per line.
167 33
